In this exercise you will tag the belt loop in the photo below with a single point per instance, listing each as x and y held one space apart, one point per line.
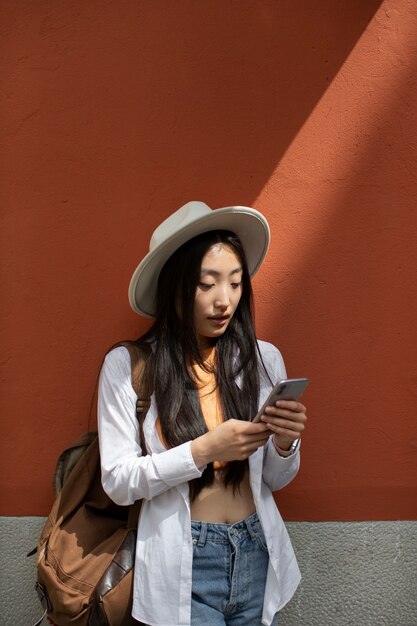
250 526
203 535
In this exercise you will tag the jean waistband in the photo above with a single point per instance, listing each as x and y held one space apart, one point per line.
202 531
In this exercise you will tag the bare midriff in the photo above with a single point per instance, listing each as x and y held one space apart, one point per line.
218 504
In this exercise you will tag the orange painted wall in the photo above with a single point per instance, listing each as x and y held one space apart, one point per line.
116 113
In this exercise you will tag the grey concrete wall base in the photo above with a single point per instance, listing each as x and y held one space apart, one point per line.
354 574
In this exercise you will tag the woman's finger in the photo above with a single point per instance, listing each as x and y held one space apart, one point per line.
287 423
291 405
286 415
287 432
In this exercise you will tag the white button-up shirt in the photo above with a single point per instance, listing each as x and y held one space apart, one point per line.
164 554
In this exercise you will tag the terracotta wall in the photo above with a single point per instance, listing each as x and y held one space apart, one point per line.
116 113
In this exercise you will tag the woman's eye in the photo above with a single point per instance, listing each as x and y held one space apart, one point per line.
236 285
204 286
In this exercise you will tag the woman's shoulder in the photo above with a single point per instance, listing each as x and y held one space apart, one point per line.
266 348
272 359
117 361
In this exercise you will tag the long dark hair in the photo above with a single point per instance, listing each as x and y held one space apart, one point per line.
175 347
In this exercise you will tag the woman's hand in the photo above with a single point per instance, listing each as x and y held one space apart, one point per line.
286 420
233 440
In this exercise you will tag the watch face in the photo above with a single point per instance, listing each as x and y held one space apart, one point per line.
294 445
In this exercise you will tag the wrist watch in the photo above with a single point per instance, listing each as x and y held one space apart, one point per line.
295 445
293 448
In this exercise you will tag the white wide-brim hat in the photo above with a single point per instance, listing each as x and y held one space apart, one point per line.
191 220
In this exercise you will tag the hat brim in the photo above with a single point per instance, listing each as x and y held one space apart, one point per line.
248 224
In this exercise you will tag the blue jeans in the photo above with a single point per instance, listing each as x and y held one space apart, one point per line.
230 564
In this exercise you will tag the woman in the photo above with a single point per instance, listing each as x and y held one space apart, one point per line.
212 548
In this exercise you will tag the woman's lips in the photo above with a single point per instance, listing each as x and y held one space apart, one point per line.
219 321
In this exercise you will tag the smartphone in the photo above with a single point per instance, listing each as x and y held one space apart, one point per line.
286 389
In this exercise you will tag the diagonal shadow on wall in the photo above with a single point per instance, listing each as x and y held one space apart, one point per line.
343 304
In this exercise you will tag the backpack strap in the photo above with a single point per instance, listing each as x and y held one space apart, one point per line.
141 382
143 387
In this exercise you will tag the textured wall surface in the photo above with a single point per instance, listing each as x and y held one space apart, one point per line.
114 114
354 574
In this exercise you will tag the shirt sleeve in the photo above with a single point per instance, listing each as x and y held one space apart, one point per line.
278 470
127 475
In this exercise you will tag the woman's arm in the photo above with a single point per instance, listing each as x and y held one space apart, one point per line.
286 422
126 474
233 440
279 471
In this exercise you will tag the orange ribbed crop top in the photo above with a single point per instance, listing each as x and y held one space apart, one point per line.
210 401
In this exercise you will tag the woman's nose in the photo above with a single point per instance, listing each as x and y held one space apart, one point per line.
222 299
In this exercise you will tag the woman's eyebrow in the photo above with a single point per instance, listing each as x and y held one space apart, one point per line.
216 274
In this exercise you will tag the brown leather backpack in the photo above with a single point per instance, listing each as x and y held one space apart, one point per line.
86 552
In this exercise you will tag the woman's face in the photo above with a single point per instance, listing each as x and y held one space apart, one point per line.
218 292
